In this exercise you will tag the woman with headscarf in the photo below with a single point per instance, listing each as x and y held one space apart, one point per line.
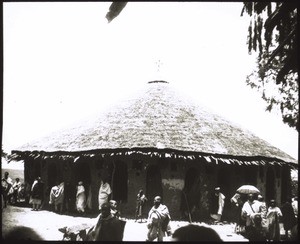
80 198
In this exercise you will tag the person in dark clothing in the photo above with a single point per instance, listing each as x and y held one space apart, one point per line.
195 233
22 233
140 201
36 194
237 203
255 234
6 186
288 217
108 227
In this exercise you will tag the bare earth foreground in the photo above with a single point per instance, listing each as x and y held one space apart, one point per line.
46 224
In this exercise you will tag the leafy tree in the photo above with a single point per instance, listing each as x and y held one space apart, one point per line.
4 154
272 33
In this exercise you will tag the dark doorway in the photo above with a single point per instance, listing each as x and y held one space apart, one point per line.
270 185
52 175
37 169
285 184
224 181
82 173
191 193
251 175
120 181
153 183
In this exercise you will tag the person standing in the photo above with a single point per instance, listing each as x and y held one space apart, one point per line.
237 201
273 215
6 183
295 206
57 195
288 217
36 194
108 227
16 186
158 221
263 211
114 208
104 192
252 213
218 201
80 198
140 201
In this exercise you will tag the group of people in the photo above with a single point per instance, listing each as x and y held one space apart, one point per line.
12 191
260 222
110 226
61 196
256 220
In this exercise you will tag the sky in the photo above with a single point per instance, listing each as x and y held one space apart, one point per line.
64 62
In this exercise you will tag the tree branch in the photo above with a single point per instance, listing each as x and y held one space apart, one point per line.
277 50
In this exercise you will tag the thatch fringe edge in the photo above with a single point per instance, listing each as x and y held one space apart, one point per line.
153 152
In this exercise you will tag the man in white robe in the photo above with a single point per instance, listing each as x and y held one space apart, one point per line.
104 193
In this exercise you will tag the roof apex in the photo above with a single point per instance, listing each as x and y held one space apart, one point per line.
157 81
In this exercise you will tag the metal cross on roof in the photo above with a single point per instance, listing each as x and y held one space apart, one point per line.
159 64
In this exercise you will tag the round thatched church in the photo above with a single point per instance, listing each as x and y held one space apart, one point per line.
162 143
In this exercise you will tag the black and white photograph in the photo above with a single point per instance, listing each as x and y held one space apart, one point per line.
150 121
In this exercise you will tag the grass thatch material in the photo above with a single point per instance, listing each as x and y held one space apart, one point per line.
159 118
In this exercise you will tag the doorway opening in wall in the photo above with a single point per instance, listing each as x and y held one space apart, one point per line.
153 184
52 175
37 169
224 181
82 173
190 196
286 186
270 185
251 175
120 181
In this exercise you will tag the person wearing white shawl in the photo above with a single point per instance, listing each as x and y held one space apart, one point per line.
80 198
104 193
57 196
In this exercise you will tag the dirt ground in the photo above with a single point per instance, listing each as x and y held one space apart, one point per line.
46 224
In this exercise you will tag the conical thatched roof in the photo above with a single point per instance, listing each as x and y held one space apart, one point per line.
159 118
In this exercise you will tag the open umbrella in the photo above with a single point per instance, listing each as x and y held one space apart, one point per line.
247 189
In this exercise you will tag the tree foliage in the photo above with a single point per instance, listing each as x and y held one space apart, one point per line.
4 154
272 34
